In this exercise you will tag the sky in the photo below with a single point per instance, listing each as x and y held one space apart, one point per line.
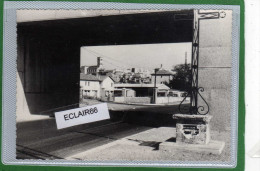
146 56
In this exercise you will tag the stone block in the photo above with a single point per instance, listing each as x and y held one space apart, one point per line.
220 109
216 33
213 147
219 101
192 133
211 78
215 57
192 129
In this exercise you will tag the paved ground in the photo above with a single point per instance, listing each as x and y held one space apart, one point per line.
41 139
137 138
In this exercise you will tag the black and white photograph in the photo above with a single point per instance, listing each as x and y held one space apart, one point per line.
124 85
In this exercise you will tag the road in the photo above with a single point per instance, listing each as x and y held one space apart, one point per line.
131 137
40 139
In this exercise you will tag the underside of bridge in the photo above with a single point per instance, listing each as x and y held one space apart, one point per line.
48 62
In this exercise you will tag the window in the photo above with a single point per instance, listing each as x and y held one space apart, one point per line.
183 94
118 93
171 94
106 93
111 84
161 94
88 83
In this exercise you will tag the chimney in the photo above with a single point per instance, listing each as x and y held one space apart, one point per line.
99 62
185 58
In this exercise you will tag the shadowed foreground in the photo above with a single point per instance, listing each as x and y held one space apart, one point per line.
127 136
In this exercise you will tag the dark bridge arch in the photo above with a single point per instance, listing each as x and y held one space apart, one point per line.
48 60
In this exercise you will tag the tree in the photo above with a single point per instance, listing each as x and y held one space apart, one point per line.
182 77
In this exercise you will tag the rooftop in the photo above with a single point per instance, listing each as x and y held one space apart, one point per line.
160 86
102 77
163 72
137 75
88 77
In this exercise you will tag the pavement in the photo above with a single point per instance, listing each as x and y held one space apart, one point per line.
139 146
135 138
40 139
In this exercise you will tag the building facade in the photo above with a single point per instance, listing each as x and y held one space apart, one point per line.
162 76
89 86
93 69
96 87
107 88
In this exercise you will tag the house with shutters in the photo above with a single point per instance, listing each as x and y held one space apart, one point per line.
96 87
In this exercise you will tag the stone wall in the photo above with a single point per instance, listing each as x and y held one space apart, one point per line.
141 100
215 68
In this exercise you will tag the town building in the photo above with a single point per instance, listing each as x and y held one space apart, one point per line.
95 69
143 90
162 76
115 77
96 87
89 86
141 93
137 78
106 88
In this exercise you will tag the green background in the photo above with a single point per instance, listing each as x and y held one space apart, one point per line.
241 117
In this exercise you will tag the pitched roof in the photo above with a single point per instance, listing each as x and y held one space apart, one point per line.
102 77
163 72
92 67
88 77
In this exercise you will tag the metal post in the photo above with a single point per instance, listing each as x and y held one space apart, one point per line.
154 90
194 93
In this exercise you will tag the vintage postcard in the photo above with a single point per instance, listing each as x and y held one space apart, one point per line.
127 87
144 65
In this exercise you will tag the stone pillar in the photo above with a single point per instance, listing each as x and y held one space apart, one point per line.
215 69
193 134
192 129
155 90
124 94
